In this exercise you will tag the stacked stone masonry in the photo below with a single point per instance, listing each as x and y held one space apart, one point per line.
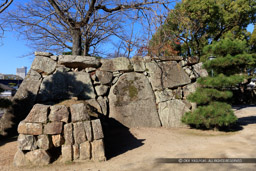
69 129
137 92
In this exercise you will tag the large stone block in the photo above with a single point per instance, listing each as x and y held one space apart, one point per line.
38 157
132 102
53 128
98 152
80 62
43 65
38 114
166 75
85 151
138 64
26 142
88 130
65 85
20 159
66 153
199 71
43 142
30 128
171 112
47 54
163 96
68 134
79 132
59 113
97 129
104 76
79 112
116 64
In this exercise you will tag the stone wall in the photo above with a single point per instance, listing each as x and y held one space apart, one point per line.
137 92
49 130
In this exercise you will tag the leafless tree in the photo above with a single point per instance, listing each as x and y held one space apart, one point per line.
77 25
4 4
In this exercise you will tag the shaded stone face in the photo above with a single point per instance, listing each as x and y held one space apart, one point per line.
53 128
59 113
132 102
166 75
79 112
64 85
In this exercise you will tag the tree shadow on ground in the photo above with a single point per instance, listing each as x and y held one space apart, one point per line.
117 138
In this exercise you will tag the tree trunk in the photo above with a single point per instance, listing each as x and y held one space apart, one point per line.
86 49
77 41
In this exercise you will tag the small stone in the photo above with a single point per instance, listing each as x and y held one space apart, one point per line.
38 114
20 159
193 60
76 152
98 153
101 90
43 142
79 133
38 157
93 77
85 151
59 113
30 128
53 128
57 140
47 54
26 142
68 134
54 57
115 80
97 129
88 130
104 76
95 105
103 101
79 112
66 153
90 69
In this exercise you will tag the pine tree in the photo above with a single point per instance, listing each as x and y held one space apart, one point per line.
230 69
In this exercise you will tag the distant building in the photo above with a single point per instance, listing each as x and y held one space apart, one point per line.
1 76
22 72
7 91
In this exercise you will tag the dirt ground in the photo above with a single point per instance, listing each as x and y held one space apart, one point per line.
138 148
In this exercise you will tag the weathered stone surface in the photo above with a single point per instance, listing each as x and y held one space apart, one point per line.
104 76
138 64
116 64
68 134
90 69
38 114
79 112
76 152
57 140
166 75
88 130
103 101
115 80
95 105
62 68
131 102
199 71
20 159
169 58
80 62
54 57
38 157
63 85
101 90
43 142
85 151
43 65
193 60
97 129
66 153
59 113
190 88
163 96
26 142
79 132
30 128
170 113
98 153
53 128
47 54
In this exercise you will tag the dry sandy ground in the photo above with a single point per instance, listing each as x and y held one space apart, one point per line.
137 149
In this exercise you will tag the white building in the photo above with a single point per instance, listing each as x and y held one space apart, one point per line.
22 72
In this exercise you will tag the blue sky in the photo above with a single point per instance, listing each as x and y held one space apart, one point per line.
12 49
